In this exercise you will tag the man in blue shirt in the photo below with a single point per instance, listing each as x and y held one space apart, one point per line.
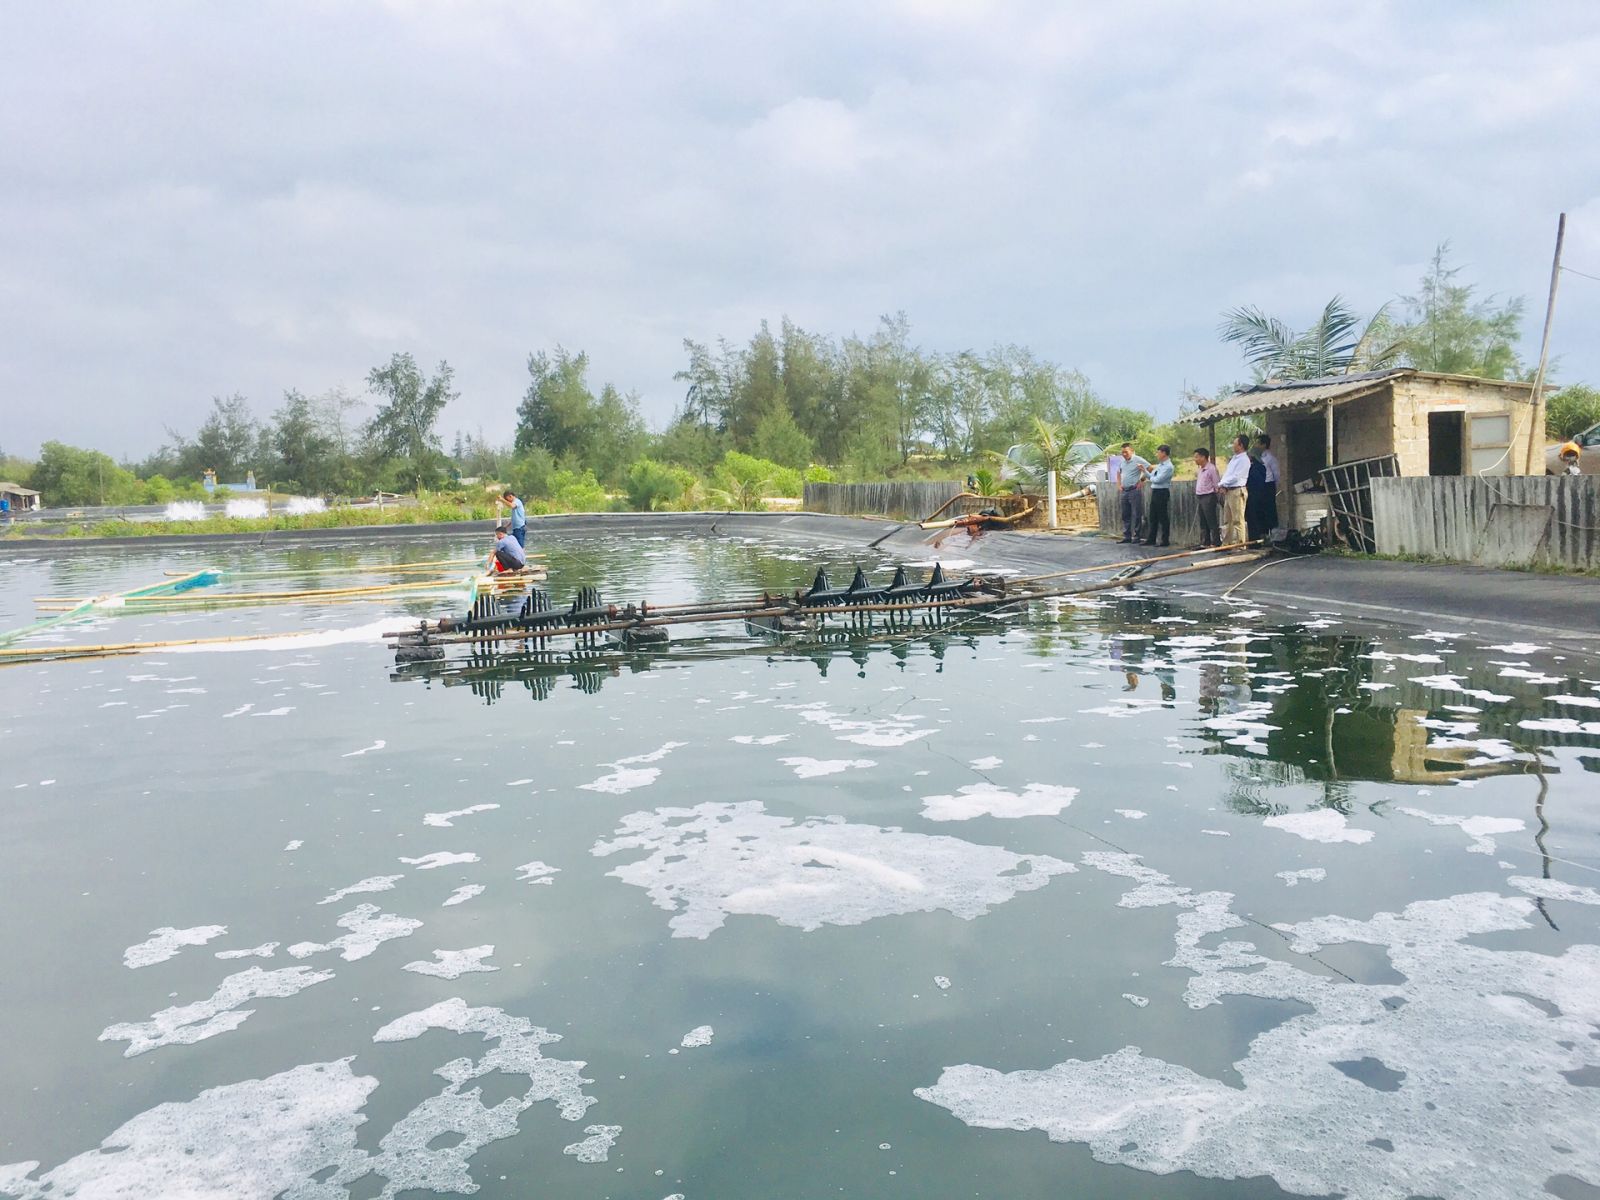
1130 483
519 517
508 553
1158 528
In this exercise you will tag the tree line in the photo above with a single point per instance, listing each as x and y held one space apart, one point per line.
763 414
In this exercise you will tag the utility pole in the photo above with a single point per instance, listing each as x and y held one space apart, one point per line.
1536 434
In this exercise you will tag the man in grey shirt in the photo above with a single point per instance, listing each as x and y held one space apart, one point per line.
1131 492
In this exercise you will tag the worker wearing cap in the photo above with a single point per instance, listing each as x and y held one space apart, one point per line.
1569 454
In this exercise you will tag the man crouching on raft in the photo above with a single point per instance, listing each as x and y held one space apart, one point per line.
508 552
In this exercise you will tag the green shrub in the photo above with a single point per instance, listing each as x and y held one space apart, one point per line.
653 485
577 491
816 474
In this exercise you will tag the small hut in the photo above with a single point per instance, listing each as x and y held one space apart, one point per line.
1395 422
19 499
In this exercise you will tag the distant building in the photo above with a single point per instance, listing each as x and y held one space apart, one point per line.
1425 422
18 499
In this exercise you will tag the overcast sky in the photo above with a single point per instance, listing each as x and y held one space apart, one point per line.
197 199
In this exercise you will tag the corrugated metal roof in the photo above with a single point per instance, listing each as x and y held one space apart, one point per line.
16 489
1300 393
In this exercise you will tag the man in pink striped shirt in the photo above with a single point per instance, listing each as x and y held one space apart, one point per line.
1207 497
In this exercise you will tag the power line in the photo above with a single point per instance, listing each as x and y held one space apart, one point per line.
1585 274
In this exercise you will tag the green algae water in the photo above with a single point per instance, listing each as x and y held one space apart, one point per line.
1136 896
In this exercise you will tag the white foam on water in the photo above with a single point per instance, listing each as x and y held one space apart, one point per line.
1126 706
942 982
443 820
301 506
377 745
990 800
1136 1001
713 861
265 950
595 1148
369 928
452 964
185 510
750 739
1479 829
700 1035
882 732
252 1140
462 894
518 782
294 845
1560 725
1554 889
1531 676
275 712
375 883
238 712
1386 656
812 768
440 858
1521 648
1319 825
1132 814
185 1024
1579 701
244 507
372 632
166 942
1452 1046
1305 875
537 872
987 763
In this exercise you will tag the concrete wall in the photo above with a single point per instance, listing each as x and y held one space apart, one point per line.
906 499
1364 428
1531 520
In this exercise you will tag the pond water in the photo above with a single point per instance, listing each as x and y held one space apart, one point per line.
1127 898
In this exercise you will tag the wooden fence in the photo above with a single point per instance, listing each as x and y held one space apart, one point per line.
1493 521
905 499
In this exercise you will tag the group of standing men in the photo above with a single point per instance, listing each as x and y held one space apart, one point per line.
1236 505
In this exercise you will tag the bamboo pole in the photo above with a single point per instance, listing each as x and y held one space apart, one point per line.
1132 562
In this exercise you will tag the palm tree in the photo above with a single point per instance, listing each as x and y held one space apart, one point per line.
1040 459
1337 344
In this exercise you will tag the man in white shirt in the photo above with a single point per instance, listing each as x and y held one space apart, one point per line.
1269 461
1234 479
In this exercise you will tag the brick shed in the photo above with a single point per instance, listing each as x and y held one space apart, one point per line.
1433 424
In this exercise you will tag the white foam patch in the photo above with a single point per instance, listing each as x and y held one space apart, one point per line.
440 858
183 1025
700 1035
942 982
883 732
1319 825
1578 701
987 763
1135 1000
1560 725
377 745
260 1138
405 1155
989 800
166 942
1554 889
369 928
264 950
1480 829
452 964
444 820
771 739
537 872
713 861
627 775
373 632
1132 814
293 846
462 894
1521 648
376 883
812 768
1305 875
1441 1051
595 1148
